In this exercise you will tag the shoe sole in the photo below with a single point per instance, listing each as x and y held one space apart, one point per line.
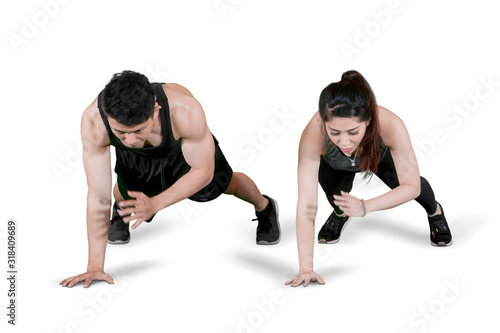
268 243
263 242
118 242
335 241
441 244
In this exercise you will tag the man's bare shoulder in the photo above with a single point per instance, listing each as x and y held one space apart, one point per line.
186 113
180 98
93 131
176 88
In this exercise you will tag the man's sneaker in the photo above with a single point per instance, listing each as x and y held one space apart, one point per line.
330 232
268 229
440 232
118 230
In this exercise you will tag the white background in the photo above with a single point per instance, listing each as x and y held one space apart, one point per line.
197 267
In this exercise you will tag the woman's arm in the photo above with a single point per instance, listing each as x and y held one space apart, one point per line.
396 137
312 143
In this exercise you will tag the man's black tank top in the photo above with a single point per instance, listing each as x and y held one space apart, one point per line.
158 165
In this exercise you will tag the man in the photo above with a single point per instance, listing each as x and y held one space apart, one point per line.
165 153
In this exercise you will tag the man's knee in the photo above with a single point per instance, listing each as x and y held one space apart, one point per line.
234 183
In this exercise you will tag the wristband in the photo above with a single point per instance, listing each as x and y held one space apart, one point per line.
364 208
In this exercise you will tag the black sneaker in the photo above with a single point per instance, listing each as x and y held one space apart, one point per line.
118 230
268 230
440 231
330 232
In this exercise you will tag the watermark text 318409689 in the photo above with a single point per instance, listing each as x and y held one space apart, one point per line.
11 273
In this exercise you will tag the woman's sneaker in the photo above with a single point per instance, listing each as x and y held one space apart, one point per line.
331 230
440 231
268 229
118 230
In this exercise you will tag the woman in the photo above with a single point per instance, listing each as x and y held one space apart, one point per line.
349 134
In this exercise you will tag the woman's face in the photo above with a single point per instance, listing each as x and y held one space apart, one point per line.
346 133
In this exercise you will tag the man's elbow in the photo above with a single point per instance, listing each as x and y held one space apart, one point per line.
98 200
206 176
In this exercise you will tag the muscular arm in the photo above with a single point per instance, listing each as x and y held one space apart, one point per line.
198 148
97 164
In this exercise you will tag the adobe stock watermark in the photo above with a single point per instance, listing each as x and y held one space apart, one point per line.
222 7
89 309
425 315
72 160
253 144
454 117
249 148
363 37
156 73
264 309
33 24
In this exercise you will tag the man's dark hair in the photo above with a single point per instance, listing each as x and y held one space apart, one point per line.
128 98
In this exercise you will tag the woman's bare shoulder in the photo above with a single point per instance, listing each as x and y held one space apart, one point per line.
392 126
313 136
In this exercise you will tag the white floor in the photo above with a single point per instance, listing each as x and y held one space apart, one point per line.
257 68
209 275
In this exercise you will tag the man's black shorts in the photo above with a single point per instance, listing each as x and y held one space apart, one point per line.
154 175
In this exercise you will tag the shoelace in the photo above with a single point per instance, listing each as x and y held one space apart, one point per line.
336 226
264 222
438 223
335 223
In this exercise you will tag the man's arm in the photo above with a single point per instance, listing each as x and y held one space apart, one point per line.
97 164
198 148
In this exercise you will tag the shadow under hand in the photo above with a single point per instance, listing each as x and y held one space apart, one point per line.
133 268
267 265
149 230
335 271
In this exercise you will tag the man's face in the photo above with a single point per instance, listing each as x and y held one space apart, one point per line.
134 136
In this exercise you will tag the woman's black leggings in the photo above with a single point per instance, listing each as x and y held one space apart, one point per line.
333 181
